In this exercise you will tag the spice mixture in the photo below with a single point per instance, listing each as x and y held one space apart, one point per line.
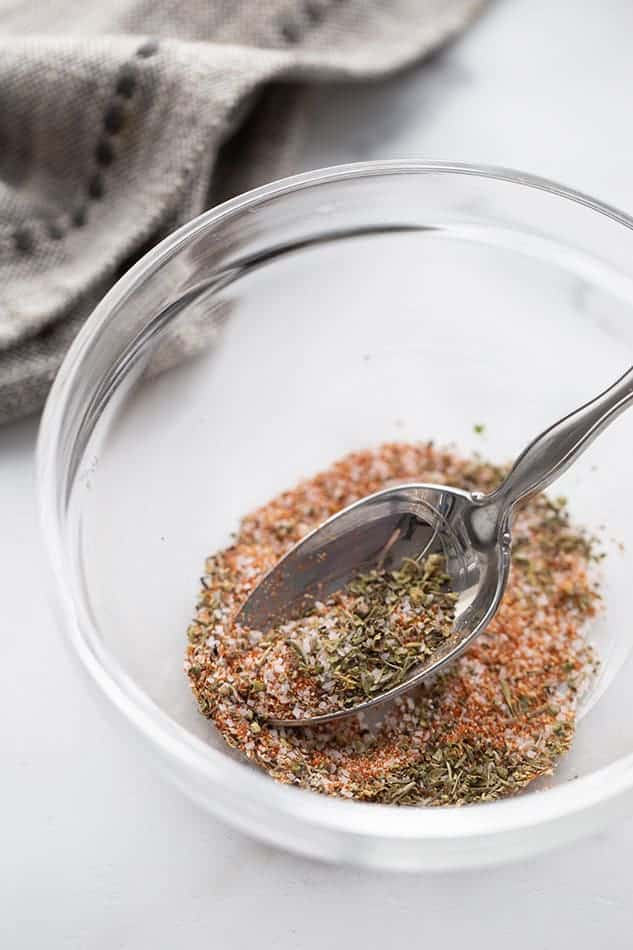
362 641
497 718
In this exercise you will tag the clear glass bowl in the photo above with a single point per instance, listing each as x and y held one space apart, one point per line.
332 311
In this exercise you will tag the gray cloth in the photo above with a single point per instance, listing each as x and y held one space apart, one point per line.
112 115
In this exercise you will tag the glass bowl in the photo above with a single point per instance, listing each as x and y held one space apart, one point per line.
324 313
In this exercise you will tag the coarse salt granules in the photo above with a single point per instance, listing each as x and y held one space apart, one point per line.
499 717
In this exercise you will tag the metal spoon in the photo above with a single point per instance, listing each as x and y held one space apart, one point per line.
473 531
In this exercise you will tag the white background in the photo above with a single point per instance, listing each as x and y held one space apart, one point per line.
95 851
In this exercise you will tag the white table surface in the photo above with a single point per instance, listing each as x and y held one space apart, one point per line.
95 850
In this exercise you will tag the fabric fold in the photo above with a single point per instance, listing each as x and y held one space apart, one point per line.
109 134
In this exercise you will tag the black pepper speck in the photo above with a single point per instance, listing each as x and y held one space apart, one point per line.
55 230
147 49
314 11
104 153
79 216
23 239
126 83
114 118
290 32
96 186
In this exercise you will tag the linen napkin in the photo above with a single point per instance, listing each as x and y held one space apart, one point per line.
112 115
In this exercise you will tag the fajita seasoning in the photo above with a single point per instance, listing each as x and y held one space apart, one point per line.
497 718
363 640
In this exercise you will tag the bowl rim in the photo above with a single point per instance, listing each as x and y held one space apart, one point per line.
182 749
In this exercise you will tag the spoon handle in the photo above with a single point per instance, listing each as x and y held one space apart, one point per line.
553 451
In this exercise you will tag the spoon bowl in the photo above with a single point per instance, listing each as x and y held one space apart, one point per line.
380 531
